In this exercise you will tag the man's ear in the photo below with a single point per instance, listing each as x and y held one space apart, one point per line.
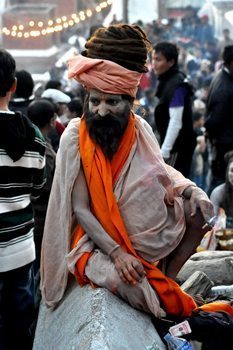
171 63
13 86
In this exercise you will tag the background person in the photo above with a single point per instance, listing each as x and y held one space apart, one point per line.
225 41
74 109
42 114
222 195
218 124
60 100
23 95
222 198
22 177
173 113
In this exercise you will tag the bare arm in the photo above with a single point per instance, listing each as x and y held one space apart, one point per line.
129 268
81 206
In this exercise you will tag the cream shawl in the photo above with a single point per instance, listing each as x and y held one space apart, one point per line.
148 193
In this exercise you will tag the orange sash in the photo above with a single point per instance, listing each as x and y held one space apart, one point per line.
101 176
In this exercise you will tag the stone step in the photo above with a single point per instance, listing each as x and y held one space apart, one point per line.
94 319
217 265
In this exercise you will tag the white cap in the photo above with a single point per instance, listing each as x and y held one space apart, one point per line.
198 104
56 96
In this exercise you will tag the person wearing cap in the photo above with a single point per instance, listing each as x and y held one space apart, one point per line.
57 97
60 100
118 216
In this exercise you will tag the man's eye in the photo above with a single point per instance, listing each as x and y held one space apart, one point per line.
112 102
94 101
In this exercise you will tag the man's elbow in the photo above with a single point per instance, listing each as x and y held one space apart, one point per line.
81 214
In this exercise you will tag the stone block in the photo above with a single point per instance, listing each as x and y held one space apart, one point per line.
197 283
217 265
94 319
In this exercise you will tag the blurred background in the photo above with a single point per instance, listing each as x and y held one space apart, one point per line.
41 35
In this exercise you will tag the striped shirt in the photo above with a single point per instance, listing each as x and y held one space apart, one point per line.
20 181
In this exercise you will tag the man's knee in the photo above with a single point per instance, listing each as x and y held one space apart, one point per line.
113 281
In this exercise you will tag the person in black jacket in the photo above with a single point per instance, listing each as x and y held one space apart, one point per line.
219 121
173 113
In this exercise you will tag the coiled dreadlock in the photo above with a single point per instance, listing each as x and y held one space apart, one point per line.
126 45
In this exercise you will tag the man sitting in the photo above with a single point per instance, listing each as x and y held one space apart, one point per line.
118 216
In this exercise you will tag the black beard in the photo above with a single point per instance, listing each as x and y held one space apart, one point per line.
107 131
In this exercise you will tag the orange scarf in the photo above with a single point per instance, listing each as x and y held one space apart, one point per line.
101 176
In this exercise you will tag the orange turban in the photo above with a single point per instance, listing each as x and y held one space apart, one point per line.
106 76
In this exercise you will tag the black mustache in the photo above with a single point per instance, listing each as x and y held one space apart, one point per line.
106 121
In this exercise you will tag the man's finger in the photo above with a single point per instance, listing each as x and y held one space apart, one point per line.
128 276
207 211
133 273
193 208
123 277
139 268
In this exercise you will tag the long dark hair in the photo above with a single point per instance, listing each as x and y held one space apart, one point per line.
126 45
227 201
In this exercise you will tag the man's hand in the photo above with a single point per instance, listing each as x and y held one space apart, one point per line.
130 269
199 199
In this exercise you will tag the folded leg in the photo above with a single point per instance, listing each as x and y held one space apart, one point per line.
102 272
187 246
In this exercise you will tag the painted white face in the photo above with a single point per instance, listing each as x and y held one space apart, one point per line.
103 104
107 117
230 173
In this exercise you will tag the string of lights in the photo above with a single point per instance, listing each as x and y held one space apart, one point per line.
41 28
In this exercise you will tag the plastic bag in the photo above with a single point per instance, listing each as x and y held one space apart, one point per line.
175 343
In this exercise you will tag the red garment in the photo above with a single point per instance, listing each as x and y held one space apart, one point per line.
60 128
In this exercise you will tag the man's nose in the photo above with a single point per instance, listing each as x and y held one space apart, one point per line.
103 109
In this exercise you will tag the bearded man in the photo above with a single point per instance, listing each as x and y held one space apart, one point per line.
118 216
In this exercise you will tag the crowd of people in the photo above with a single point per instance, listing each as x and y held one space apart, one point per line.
103 168
201 59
